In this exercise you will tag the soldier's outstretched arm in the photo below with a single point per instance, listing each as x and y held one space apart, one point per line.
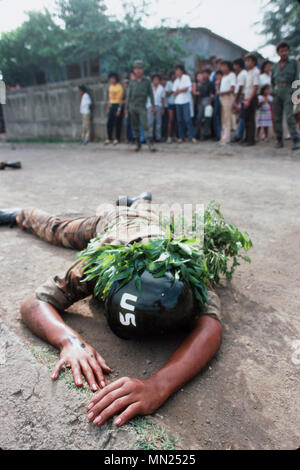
129 397
45 321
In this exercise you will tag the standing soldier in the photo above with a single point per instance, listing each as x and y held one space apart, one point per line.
284 73
140 89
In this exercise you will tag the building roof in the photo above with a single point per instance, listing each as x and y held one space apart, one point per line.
212 34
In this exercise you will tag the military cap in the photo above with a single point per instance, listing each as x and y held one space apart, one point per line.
138 63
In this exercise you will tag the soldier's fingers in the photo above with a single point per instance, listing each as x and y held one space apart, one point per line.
56 369
118 405
76 373
130 412
97 371
109 388
106 401
88 373
102 363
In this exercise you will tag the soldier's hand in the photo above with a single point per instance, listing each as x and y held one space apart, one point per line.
126 112
127 396
82 359
153 110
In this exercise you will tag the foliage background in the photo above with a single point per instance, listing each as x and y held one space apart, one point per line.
81 30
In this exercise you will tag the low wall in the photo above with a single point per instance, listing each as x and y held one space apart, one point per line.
52 110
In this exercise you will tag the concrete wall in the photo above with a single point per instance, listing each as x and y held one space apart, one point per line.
52 110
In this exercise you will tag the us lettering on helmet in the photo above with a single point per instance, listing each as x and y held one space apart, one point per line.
127 318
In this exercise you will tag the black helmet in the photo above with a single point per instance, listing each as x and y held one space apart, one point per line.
161 305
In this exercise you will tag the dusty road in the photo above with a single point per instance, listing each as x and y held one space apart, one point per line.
249 396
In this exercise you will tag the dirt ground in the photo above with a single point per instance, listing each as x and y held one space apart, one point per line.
249 396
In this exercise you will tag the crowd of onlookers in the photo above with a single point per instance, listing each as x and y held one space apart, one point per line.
228 102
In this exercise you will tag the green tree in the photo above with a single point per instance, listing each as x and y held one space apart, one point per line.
281 20
33 47
158 49
88 30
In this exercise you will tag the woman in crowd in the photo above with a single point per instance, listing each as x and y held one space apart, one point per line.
115 109
226 93
265 74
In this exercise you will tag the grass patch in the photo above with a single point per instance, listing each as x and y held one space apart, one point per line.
41 140
48 357
151 436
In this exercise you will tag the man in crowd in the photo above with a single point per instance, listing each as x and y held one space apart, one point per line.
206 92
85 111
159 102
140 89
284 73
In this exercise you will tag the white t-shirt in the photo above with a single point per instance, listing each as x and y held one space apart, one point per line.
252 81
158 93
264 79
85 104
241 81
227 82
179 84
168 88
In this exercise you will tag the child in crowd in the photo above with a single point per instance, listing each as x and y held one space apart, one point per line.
264 115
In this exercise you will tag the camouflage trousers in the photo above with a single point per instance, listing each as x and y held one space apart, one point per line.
114 225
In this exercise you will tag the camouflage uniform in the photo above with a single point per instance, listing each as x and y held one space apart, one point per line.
114 225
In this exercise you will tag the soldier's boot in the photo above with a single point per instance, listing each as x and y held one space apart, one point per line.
137 145
128 201
279 144
296 145
150 145
15 165
9 216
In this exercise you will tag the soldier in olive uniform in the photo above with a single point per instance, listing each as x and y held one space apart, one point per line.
140 89
284 73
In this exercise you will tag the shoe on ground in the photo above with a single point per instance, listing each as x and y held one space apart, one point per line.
296 145
107 142
194 141
128 201
151 146
14 165
115 142
279 144
9 216
169 141
179 141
